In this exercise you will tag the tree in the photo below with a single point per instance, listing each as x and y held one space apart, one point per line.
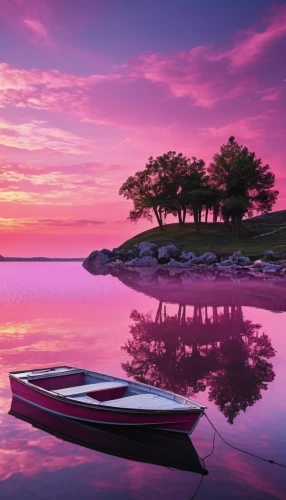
164 187
147 196
178 176
247 183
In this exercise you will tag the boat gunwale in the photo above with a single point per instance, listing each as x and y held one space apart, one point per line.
187 410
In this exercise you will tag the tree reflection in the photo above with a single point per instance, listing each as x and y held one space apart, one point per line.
212 348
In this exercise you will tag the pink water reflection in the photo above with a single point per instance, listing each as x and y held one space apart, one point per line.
58 313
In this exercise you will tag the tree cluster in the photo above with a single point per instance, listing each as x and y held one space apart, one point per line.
235 184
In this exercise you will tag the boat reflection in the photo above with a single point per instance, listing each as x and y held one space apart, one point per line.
171 450
199 348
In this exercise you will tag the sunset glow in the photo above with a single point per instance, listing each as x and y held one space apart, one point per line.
90 90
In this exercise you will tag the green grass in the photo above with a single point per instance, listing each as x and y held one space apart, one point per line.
219 239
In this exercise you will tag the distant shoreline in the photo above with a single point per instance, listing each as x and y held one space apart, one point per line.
41 259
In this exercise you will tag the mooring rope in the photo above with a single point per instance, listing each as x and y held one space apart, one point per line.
240 449
203 461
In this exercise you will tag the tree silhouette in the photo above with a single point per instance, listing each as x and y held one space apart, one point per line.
246 183
186 355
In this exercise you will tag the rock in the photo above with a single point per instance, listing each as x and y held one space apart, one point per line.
146 253
107 252
172 250
146 261
175 263
163 255
205 256
146 248
271 268
212 259
258 264
187 255
243 261
269 255
131 254
119 252
96 263
115 263
98 257
195 261
236 255
226 263
166 252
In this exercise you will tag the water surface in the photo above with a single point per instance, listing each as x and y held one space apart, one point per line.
221 343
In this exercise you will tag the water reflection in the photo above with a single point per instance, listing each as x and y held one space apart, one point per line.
187 286
140 445
60 314
205 346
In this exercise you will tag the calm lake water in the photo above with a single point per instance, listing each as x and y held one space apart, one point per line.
221 343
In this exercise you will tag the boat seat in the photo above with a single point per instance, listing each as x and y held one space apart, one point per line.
145 402
83 389
86 399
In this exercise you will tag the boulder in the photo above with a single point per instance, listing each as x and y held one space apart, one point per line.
271 268
107 252
120 253
187 255
236 255
269 255
258 264
243 261
96 263
168 251
131 254
115 263
146 248
205 256
98 257
163 255
173 251
147 253
195 261
146 261
226 263
212 259
175 263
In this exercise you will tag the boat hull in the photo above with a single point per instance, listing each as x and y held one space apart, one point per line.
169 420
163 448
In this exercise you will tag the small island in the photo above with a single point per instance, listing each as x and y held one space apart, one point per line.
234 186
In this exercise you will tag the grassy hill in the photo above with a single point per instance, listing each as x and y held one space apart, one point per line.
219 239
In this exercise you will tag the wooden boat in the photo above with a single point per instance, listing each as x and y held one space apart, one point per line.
164 448
93 397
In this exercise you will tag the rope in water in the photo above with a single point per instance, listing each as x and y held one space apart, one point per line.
203 461
240 449
215 431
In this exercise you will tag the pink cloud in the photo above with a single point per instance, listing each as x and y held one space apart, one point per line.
204 74
38 30
253 44
38 134
188 74
32 20
272 96
247 128
64 185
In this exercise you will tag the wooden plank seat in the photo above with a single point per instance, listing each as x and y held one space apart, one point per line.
85 399
145 402
97 387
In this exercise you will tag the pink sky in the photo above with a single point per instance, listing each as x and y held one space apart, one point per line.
90 90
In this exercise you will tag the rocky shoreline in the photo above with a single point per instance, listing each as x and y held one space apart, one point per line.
151 255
